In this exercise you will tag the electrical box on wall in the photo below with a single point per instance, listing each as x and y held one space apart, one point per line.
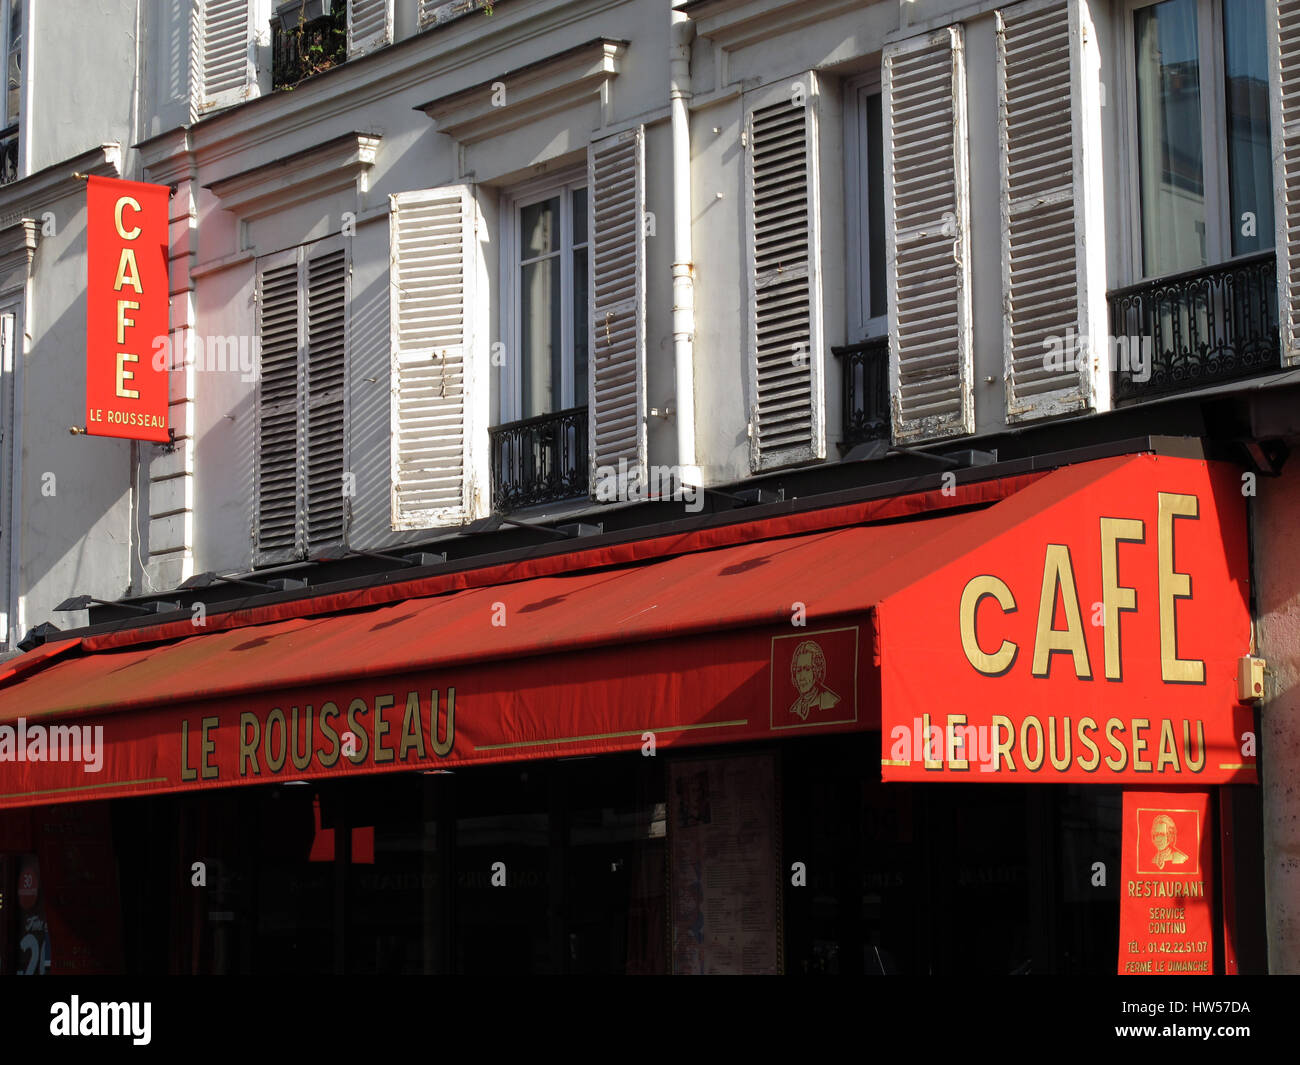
1250 678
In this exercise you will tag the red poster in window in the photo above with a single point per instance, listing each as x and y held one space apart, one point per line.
1167 884
126 309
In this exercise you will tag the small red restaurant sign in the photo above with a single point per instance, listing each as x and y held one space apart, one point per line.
1092 636
126 309
1166 891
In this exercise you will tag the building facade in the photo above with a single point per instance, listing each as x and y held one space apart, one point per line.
469 295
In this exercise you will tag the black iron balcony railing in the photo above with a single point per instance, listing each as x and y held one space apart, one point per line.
865 371
309 37
8 155
1195 328
539 460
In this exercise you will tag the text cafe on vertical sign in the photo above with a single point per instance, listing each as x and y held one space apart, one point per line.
126 309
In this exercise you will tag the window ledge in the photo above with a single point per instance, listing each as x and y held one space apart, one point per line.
26 196
736 24
530 92
17 247
337 165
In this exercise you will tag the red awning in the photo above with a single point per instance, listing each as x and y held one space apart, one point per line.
741 632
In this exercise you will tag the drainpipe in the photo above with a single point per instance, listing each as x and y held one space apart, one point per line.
683 30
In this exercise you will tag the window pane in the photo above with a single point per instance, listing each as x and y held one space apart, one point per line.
1250 163
13 62
12 95
876 209
539 225
1169 138
579 216
539 330
581 316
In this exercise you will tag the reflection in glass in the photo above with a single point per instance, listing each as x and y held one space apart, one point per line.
876 209
539 225
581 310
540 335
1250 163
580 315
1170 151
13 62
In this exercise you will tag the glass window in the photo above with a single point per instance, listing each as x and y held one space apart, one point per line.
1204 158
1250 154
552 302
13 61
865 208
1170 157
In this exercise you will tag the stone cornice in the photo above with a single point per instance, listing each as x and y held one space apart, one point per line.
168 157
17 246
736 24
530 92
27 197
436 52
339 164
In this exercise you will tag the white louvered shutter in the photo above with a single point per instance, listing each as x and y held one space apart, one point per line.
438 402
325 388
787 422
226 71
1053 243
1284 96
277 453
616 368
928 237
370 25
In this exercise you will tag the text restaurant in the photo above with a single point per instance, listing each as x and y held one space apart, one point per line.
1002 726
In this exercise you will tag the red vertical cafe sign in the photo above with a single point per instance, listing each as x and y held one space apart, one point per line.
1166 894
126 309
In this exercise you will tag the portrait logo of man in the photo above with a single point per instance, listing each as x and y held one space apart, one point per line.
808 672
1168 842
814 678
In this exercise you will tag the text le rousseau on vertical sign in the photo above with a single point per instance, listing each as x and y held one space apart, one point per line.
126 309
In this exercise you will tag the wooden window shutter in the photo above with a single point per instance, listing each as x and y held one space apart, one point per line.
325 390
1053 240
616 368
370 25
439 473
787 423
226 71
1284 97
928 237
277 455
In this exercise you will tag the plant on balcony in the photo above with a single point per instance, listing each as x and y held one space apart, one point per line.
303 47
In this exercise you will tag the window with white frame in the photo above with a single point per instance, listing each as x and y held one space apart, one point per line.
864 208
546 310
1200 141
12 33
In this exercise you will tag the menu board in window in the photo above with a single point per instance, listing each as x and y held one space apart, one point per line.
724 875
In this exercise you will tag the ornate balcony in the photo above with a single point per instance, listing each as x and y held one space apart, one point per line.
865 371
1196 328
539 460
